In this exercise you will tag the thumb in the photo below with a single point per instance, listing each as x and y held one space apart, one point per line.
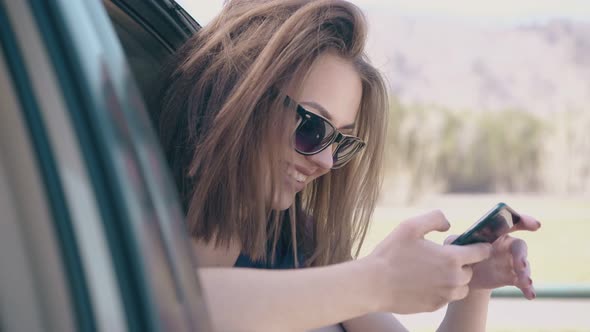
450 239
428 222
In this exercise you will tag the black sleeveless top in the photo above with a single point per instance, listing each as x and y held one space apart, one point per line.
284 258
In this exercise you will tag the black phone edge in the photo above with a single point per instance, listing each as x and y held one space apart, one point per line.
479 224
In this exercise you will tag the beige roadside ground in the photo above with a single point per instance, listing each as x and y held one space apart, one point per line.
518 315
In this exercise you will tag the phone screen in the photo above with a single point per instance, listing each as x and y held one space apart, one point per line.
493 225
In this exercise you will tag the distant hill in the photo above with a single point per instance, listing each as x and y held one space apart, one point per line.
541 68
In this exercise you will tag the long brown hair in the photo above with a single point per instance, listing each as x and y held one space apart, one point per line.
222 122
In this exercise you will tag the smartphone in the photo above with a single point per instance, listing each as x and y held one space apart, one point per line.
497 222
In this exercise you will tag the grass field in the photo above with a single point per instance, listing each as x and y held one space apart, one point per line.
559 252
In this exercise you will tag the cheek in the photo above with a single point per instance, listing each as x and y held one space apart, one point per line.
321 173
318 174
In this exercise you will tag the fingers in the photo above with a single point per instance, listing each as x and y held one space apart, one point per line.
460 293
526 223
428 222
522 269
472 253
519 250
525 283
450 239
467 273
456 285
523 277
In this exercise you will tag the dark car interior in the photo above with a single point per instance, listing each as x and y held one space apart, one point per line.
92 235
150 31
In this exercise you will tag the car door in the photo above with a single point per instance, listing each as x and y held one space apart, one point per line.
92 234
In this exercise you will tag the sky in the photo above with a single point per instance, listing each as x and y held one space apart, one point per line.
503 11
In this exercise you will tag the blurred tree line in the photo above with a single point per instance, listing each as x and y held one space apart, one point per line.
433 149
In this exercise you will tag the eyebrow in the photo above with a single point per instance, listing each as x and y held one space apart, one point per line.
325 113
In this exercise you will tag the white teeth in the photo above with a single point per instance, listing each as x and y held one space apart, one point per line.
298 176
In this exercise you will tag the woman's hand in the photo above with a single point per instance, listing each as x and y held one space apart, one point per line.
508 264
413 274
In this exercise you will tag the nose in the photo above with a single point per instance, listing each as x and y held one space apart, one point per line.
323 159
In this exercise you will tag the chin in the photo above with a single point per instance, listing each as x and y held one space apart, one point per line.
284 201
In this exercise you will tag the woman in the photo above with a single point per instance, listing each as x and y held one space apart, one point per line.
273 123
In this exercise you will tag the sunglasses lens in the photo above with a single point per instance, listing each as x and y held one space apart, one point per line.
313 134
345 151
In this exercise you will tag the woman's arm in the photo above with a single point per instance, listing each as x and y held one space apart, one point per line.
395 277
375 322
508 265
290 300
468 314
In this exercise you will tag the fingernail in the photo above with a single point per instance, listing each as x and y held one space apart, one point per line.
534 295
524 263
530 282
538 224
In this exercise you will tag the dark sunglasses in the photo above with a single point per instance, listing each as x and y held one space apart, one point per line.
315 133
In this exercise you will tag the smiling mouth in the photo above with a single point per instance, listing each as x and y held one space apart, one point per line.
296 175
